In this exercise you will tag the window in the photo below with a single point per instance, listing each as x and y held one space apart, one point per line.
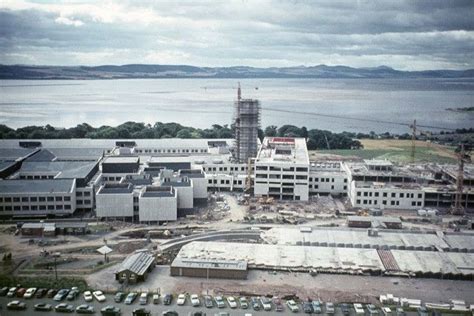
8 199
366 193
310 186
384 202
332 187
392 202
33 199
67 207
261 168
365 202
287 176
42 199
402 195
332 180
24 199
16 199
67 198
59 198
25 208
359 193
376 194
394 194
358 202
345 187
209 181
50 199
42 207
88 193
420 195
34 207
345 180
413 203
301 177
299 169
310 179
385 194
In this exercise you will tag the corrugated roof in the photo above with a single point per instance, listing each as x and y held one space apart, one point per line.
137 263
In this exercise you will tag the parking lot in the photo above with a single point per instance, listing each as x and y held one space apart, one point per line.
156 309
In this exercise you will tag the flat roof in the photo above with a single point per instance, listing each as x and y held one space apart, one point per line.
383 219
209 264
15 154
63 169
116 188
283 150
121 159
162 191
192 173
36 186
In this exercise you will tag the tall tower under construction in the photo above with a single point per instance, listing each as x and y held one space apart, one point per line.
246 125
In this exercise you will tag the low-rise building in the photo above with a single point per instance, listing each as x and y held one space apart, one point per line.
209 269
115 200
135 267
158 204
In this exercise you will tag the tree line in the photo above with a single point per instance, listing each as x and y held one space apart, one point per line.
317 139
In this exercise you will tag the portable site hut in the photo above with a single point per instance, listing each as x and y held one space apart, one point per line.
135 267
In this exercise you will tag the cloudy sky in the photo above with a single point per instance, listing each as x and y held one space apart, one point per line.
408 35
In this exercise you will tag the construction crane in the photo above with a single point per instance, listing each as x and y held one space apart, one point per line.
462 154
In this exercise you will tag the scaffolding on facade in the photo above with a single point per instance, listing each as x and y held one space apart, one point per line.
246 125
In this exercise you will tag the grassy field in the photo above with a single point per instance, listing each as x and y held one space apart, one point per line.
394 150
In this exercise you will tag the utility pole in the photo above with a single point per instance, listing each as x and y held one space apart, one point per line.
458 208
413 141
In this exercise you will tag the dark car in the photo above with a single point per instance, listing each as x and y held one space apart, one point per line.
254 301
110 311
16 305
3 291
64 308
198 313
141 311
72 295
51 293
40 293
278 304
61 295
208 301
119 297
43 307
20 292
85 309
346 310
167 299
307 307
169 313
422 311
130 298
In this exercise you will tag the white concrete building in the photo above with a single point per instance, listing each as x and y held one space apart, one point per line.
199 182
282 169
115 201
327 177
158 204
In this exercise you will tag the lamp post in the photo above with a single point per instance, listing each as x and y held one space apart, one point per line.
56 255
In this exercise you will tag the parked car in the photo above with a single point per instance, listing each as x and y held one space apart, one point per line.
255 303
119 297
195 300
219 302
169 313
43 307
143 298
372 310
141 311
29 293
16 305
85 309
11 292
40 293
346 310
64 308
20 292
51 293
307 307
4 291
266 303
292 306
232 302
208 301
278 304
130 298
181 299
330 308
72 294
99 296
422 311
197 313
359 309
156 298
317 307
110 310
61 295
88 296
167 299
244 304
400 311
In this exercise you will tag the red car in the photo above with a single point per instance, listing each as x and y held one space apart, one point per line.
20 292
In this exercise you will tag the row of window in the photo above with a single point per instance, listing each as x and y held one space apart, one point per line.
223 168
36 177
26 199
111 178
324 180
384 202
272 168
149 151
316 186
393 194
214 181
86 193
278 176
35 207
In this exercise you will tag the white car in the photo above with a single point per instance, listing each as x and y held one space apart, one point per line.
232 302
195 300
99 296
30 292
292 306
181 299
88 296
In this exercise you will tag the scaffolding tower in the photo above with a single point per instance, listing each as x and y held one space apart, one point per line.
246 125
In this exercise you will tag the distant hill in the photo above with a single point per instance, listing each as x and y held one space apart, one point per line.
185 71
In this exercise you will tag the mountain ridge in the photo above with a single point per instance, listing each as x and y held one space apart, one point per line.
188 71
